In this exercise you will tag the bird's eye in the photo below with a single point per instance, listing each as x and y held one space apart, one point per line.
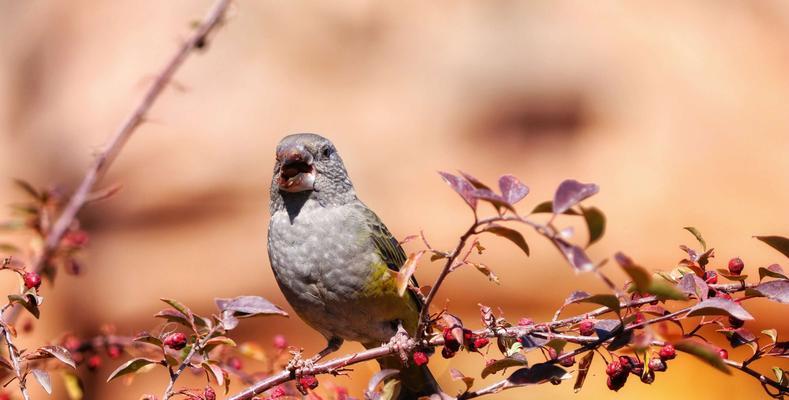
327 151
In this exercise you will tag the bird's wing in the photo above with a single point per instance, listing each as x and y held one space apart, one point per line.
388 247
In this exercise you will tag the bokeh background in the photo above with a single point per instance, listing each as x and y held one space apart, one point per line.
677 109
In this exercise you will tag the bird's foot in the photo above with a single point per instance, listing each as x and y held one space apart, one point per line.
299 366
401 343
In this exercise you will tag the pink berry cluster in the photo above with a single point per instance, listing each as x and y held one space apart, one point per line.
620 368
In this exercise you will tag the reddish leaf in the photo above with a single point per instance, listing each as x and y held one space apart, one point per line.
774 271
570 193
583 370
720 306
512 189
781 349
692 285
539 373
249 306
462 187
474 181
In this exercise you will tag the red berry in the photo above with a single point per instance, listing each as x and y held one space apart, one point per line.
657 365
76 238
525 322
4 396
481 342
446 352
235 363
723 353
567 361
277 393
450 341
711 277
114 351
586 328
614 368
308 381
32 280
280 342
667 352
72 344
420 358
176 341
94 362
736 266
209 393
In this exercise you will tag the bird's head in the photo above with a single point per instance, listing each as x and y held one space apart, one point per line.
308 162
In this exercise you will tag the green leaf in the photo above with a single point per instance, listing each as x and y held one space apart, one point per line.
779 243
184 310
697 235
74 387
210 344
539 373
147 338
705 352
595 223
130 367
517 360
511 234
726 274
28 188
607 300
547 207
665 291
772 333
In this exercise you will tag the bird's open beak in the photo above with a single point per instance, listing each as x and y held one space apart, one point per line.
296 173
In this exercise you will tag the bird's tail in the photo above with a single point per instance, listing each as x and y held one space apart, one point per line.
415 380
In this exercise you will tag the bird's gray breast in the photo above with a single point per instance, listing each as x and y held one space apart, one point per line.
322 259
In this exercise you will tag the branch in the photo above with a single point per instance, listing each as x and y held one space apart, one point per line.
14 354
118 139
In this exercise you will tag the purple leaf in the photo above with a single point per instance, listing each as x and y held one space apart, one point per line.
774 271
131 366
462 187
583 370
539 373
693 285
570 193
720 306
249 306
575 256
738 337
773 290
516 360
492 198
512 189
474 181
595 223
781 349
779 243
576 296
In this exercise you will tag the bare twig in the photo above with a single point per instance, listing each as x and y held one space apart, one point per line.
118 139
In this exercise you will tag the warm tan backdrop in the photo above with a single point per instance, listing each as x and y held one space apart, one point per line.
677 109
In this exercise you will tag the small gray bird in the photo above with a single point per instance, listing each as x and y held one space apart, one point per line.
332 257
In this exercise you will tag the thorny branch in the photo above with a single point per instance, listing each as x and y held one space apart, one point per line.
118 139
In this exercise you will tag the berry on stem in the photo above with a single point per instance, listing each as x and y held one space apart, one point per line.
32 280
94 362
667 352
586 328
209 393
175 340
308 382
446 352
736 266
420 358
723 353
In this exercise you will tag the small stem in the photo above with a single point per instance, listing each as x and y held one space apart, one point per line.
14 354
168 392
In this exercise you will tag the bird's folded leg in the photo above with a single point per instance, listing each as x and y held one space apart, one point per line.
401 343
299 366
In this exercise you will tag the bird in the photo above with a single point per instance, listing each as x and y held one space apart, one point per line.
334 259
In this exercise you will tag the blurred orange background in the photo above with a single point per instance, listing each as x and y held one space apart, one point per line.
676 109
